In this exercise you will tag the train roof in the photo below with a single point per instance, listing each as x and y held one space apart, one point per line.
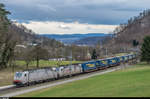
102 59
38 68
111 57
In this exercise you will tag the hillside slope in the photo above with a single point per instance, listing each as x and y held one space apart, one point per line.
27 36
135 29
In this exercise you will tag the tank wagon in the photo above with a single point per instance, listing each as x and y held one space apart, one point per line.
33 76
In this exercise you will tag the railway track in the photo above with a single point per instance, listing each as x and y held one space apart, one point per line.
13 90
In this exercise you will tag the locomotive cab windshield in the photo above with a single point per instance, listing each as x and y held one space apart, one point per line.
18 74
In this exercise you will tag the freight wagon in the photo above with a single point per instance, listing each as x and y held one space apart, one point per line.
89 66
101 64
113 61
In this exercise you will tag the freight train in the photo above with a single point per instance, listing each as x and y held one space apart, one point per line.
34 76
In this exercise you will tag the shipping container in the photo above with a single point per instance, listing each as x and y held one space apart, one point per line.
88 66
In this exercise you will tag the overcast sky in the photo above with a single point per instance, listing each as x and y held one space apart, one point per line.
74 16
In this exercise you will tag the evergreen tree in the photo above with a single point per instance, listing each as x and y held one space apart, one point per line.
135 43
94 55
145 54
5 49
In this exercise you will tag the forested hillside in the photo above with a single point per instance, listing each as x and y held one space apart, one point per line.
127 33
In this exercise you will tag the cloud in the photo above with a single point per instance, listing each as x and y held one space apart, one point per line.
62 26
50 27
73 16
110 12
46 8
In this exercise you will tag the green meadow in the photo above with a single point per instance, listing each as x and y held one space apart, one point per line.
133 81
45 63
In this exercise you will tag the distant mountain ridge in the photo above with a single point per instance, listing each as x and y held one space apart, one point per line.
72 38
91 41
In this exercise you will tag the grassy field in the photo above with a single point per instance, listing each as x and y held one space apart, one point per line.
131 82
121 54
7 75
45 63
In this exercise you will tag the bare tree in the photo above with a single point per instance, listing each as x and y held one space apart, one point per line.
39 53
27 56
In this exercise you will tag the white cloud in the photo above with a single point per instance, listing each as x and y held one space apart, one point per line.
49 27
63 26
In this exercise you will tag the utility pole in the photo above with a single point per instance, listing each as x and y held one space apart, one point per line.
71 57
106 51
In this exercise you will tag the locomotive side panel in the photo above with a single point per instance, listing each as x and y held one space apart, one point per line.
64 71
50 74
40 75
76 69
